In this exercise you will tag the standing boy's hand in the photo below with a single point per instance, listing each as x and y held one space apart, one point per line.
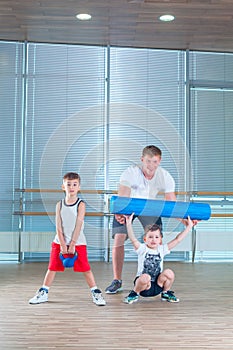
71 248
64 249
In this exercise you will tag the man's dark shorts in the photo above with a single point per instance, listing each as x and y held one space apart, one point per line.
144 220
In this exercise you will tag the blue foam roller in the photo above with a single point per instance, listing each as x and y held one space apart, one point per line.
150 207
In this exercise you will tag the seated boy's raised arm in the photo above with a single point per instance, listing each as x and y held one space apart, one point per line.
131 234
172 244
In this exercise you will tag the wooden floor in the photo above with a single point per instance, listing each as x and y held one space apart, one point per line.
202 320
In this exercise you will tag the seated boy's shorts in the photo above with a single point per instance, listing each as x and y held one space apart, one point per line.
81 264
144 220
154 290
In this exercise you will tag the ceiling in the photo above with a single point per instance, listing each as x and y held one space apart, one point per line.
205 25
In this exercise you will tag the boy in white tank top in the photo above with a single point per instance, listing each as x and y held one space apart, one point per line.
69 240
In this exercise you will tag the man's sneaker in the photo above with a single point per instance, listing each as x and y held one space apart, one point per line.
131 298
40 297
169 296
114 287
98 298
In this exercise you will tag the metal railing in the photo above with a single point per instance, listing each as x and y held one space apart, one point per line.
190 196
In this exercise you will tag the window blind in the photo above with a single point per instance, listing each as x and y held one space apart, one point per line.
11 89
147 97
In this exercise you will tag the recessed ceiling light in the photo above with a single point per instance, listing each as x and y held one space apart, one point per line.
83 16
167 18
136 1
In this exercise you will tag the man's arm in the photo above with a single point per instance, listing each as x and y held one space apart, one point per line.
123 191
170 196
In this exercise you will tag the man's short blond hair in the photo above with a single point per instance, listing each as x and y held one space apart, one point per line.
152 151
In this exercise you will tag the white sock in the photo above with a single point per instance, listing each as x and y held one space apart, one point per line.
45 287
93 288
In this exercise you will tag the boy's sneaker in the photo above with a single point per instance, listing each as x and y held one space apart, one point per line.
169 296
40 297
131 298
98 298
114 287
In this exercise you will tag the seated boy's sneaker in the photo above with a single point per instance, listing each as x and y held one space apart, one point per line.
131 298
115 287
169 296
98 298
40 297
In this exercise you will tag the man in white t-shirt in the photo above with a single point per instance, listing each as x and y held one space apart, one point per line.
144 181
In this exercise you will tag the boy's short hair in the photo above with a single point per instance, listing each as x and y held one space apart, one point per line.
153 227
151 150
72 176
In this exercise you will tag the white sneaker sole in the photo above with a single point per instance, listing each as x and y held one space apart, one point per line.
32 302
131 301
102 304
115 292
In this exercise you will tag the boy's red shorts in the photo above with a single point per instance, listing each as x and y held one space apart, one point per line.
80 265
